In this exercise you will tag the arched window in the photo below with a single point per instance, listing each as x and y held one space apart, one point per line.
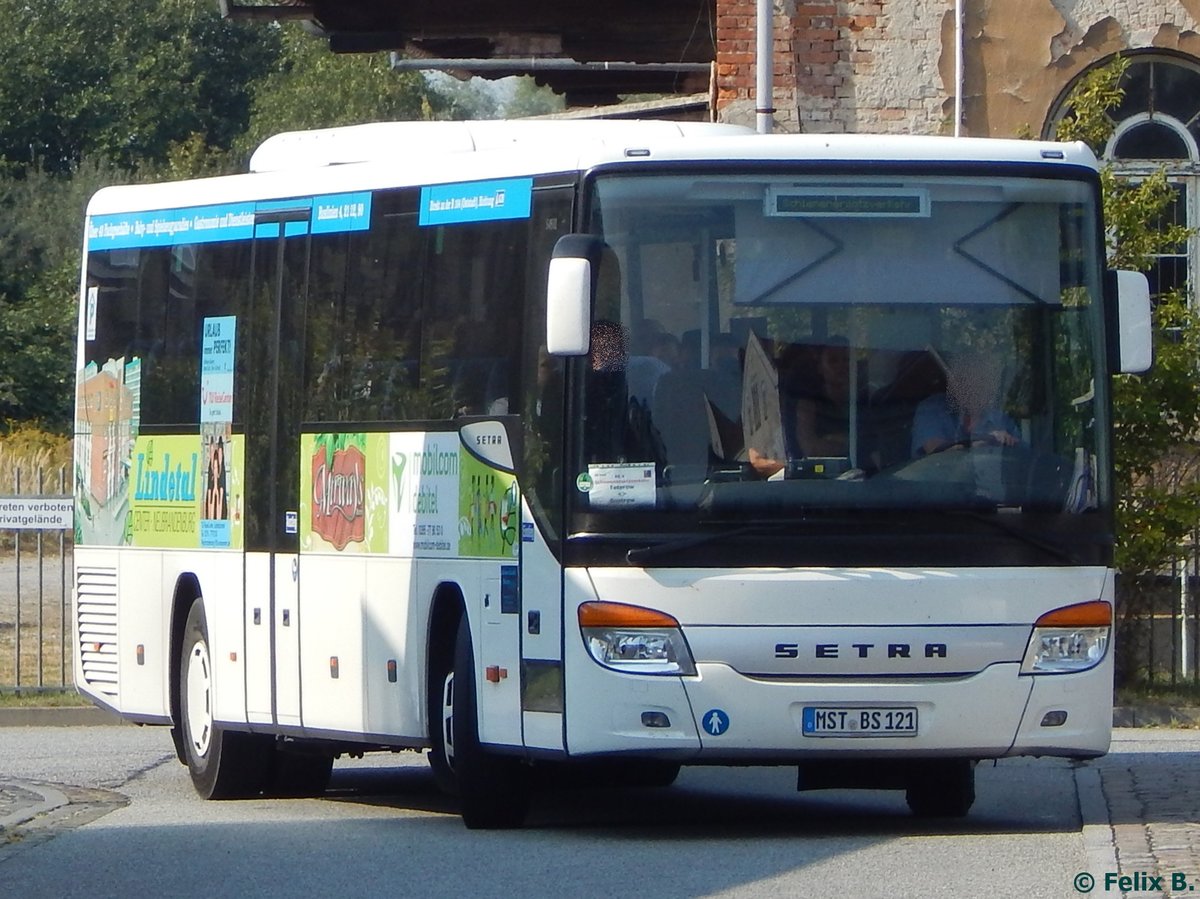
1158 125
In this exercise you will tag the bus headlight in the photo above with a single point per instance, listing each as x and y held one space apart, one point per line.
634 639
1073 638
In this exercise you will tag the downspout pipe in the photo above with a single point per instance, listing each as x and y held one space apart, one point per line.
537 64
764 67
959 77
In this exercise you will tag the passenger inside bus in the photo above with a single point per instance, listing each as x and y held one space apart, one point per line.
815 388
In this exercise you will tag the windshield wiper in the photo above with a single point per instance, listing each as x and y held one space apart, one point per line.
994 520
669 547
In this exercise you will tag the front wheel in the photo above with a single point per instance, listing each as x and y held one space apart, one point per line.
223 764
493 789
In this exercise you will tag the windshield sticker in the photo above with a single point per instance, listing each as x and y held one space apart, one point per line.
630 485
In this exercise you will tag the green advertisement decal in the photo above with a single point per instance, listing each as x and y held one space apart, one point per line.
416 494
185 492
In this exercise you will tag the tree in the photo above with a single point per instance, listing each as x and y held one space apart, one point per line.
310 87
41 221
1156 415
122 79
528 99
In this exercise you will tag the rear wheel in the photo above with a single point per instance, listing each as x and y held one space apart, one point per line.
440 707
944 790
223 764
493 789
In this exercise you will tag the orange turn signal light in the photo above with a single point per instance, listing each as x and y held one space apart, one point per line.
1085 614
619 614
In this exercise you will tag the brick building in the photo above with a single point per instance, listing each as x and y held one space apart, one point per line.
903 66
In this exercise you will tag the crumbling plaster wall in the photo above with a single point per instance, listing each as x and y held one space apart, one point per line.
888 66
1021 55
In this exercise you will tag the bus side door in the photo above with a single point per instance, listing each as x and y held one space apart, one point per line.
279 285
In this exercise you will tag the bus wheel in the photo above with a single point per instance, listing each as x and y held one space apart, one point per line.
440 706
944 790
223 764
493 789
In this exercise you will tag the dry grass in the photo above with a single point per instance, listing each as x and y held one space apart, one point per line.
40 699
26 451
46 652
45 630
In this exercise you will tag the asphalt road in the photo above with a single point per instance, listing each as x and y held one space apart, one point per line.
135 827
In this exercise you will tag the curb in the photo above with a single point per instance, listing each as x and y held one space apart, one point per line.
48 800
1099 843
67 716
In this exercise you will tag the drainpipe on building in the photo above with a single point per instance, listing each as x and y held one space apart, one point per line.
958 67
764 67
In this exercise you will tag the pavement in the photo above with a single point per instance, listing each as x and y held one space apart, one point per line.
1140 810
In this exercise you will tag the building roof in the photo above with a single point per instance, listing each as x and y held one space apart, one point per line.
592 52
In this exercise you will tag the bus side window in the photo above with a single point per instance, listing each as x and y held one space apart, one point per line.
474 293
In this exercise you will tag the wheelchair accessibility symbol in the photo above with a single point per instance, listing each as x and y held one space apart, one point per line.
715 722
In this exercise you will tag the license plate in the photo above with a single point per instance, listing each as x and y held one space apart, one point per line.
833 721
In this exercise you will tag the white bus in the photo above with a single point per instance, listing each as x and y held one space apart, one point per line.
624 445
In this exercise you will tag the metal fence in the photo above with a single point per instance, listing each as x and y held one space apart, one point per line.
1158 628
35 598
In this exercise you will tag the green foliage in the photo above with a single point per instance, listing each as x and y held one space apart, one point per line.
1157 466
1087 119
37 343
528 99
41 223
474 98
1156 415
1133 214
310 87
122 79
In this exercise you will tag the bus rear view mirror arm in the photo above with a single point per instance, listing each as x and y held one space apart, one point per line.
570 288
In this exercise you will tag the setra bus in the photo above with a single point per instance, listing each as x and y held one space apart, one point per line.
624 445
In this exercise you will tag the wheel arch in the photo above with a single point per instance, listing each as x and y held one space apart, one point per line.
446 610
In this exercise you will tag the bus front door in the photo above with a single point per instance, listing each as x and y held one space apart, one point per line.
271 388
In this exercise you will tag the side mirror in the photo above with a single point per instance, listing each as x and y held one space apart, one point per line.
570 286
1135 346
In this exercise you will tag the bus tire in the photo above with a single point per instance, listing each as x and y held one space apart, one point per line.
493 789
944 790
440 707
223 764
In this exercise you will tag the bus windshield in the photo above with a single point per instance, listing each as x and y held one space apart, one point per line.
786 347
